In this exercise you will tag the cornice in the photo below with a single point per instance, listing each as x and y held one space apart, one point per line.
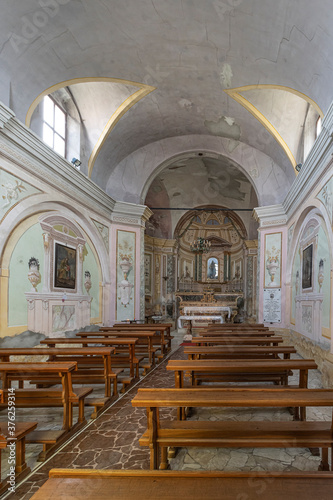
273 215
6 114
130 213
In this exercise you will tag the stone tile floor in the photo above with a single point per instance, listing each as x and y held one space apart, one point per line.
111 441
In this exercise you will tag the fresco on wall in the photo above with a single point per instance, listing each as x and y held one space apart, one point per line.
63 318
307 319
147 271
29 244
12 191
326 197
273 244
104 232
125 274
91 265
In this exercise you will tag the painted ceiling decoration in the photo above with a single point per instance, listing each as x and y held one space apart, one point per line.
155 80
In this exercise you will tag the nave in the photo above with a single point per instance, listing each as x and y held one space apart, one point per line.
111 441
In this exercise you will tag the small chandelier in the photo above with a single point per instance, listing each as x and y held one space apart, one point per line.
200 246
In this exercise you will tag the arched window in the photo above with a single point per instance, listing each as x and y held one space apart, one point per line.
213 268
226 220
212 222
197 219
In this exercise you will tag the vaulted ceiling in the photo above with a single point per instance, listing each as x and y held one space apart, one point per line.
156 79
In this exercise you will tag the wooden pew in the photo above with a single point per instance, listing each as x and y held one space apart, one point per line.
64 397
163 433
185 485
238 333
161 330
253 370
145 342
16 433
238 369
130 361
94 364
238 352
237 340
237 326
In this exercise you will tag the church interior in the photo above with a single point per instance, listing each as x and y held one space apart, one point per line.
166 236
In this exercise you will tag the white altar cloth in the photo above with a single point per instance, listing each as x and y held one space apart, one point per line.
208 309
197 316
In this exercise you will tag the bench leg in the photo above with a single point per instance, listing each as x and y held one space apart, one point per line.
20 456
324 465
164 458
81 419
115 386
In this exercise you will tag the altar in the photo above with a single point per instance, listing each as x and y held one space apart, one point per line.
197 317
208 310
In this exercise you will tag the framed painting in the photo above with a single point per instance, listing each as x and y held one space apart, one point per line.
64 267
307 267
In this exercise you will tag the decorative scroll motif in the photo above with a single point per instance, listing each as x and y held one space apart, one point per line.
326 197
171 274
12 191
142 275
125 274
157 281
273 245
104 232
147 273
249 281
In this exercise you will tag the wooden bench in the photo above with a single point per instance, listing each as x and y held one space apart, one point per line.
64 397
238 333
87 359
233 340
238 326
278 434
252 370
16 432
238 352
144 345
130 361
185 485
161 330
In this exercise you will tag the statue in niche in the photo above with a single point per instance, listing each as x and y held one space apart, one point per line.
212 269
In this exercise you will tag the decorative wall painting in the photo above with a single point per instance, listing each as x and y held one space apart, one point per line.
273 244
125 274
147 265
307 267
64 267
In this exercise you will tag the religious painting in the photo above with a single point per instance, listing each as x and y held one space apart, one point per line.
212 268
307 267
65 267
